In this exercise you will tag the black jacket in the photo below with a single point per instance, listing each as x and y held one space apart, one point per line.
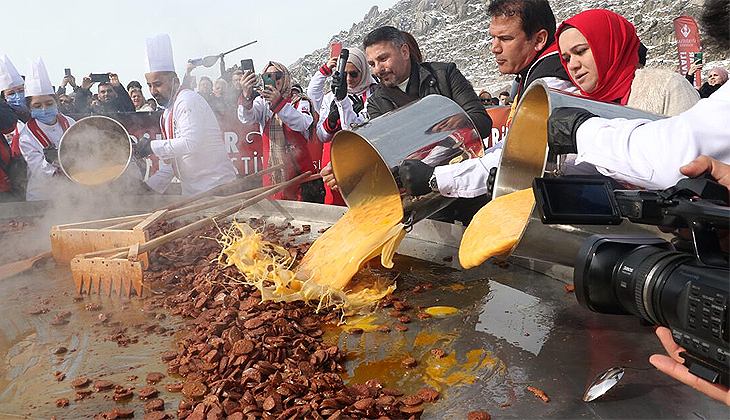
433 78
706 89
8 119
122 103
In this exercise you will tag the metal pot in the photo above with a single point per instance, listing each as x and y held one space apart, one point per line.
434 129
525 157
95 151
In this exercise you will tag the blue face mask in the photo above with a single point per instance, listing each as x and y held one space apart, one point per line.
46 116
17 100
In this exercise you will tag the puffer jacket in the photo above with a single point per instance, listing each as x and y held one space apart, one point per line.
434 78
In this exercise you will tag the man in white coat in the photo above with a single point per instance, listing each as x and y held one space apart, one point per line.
192 147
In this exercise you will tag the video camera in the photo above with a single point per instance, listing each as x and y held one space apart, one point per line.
683 285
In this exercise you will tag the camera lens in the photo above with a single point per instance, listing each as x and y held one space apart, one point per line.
639 279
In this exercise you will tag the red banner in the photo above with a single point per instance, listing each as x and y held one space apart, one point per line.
499 115
688 43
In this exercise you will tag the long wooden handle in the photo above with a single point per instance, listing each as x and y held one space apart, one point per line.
147 246
161 240
222 188
126 224
195 207
14 268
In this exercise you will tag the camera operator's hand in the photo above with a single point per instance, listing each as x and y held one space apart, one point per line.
672 366
415 176
50 153
71 81
143 147
333 119
271 94
328 176
718 170
64 81
114 79
562 125
86 83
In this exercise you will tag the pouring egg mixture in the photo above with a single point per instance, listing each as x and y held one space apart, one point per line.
370 228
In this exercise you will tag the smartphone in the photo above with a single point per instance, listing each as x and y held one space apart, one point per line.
268 80
68 72
247 65
99 77
335 49
698 58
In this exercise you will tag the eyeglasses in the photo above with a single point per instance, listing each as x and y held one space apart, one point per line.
354 74
277 74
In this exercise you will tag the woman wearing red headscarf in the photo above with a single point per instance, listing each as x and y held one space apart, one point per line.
600 51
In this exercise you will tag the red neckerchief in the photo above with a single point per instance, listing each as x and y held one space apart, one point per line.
42 137
166 134
15 142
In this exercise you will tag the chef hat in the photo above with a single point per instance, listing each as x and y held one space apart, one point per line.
9 76
159 54
37 81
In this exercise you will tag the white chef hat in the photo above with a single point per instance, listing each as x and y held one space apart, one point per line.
37 81
159 54
9 76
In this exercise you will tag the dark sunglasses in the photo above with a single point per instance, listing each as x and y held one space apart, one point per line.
277 74
486 100
353 73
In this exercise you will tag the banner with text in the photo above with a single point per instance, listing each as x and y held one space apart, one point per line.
688 44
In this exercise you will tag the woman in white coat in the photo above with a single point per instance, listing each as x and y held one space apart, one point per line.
335 115
40 137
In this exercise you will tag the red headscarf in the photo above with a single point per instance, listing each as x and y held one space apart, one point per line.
615 47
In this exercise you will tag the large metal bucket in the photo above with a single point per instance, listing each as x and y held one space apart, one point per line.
525 157
434 130
94 151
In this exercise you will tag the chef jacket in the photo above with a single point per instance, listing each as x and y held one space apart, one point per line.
194 151
43 178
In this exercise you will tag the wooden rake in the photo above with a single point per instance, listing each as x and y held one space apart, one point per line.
119 270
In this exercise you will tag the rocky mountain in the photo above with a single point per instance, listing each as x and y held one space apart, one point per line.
457 30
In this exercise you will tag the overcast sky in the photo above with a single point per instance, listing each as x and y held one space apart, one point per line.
102 36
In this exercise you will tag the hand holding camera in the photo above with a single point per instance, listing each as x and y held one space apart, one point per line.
270 92
86 83
114 79
247 84
673 365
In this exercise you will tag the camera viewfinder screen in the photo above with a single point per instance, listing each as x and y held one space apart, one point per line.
568 198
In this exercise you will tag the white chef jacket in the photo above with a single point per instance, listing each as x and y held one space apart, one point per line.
468 179
298 119
42 178
649 153
196 148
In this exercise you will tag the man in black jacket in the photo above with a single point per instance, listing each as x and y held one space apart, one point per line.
113 97
403 80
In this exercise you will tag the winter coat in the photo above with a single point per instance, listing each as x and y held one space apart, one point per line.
662 92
